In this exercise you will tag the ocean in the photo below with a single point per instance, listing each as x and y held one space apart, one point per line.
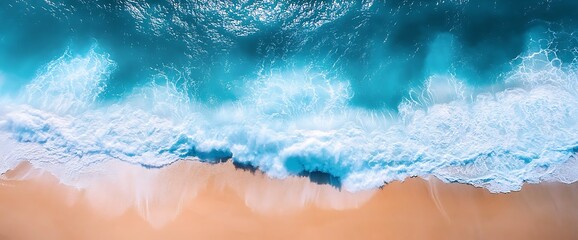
355 94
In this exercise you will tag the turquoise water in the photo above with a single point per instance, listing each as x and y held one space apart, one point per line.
365 92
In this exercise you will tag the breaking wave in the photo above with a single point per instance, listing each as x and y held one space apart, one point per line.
290 123
520 126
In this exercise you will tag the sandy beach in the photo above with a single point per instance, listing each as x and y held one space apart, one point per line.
191 200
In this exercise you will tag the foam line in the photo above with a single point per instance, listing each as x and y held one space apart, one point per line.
300 122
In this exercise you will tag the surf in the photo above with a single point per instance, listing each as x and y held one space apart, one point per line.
283 95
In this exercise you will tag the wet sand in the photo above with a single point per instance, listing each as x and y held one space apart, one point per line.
191 200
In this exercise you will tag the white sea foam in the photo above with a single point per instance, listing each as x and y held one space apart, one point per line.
290 123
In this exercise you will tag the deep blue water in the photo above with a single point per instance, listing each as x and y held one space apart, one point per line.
366 92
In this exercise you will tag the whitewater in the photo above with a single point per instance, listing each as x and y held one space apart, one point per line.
520 126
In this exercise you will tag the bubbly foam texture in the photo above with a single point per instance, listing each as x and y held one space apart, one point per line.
291 123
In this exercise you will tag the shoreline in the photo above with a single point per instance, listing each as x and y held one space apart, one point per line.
197 200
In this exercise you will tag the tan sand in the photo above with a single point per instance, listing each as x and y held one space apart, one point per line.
190 200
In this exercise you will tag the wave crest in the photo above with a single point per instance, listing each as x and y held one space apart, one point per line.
300 122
